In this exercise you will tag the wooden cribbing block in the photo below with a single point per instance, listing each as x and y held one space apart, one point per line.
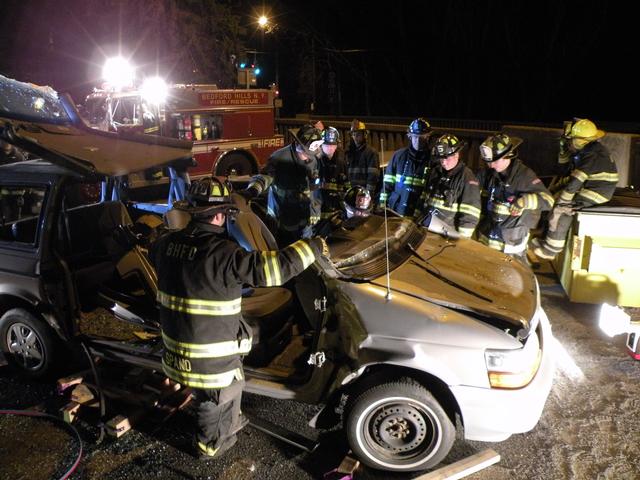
70 411
348 465
464 467
66 382
82 395
118 426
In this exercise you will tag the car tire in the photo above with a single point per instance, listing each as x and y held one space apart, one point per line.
27 342
399 426
234 164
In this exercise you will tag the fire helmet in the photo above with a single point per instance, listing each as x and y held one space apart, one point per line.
499 146
419 126
209 196
309 138
358 126
581 132
357 202
583 128
446 145
331 136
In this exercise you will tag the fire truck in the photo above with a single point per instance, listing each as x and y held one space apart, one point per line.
233 130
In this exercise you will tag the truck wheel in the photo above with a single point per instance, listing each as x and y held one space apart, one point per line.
27 342
234 164
399 426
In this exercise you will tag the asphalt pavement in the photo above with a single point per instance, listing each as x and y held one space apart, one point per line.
588 429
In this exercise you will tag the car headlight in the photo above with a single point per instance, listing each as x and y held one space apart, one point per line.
514 368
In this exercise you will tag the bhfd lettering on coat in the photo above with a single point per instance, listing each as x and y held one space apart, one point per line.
181 251
177 363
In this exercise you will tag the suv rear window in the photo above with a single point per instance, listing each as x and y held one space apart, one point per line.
20 209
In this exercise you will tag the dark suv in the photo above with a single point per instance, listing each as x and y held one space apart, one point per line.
402 332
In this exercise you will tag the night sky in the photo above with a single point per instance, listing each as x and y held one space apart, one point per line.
536 61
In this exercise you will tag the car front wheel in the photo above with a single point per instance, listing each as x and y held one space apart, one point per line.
27 342
399 426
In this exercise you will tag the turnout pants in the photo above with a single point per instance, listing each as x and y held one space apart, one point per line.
218 418
559 224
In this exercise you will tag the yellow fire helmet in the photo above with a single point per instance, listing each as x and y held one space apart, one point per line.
581 132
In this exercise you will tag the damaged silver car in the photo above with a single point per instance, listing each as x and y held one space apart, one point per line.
403 337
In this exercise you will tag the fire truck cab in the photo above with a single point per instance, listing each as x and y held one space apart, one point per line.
233 130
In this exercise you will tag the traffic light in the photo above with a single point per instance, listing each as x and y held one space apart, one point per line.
246 77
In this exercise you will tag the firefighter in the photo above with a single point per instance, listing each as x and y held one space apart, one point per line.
200 279
406 173
289 176
357 206
591 180
332 173
512 197
451 195
357 202
363 162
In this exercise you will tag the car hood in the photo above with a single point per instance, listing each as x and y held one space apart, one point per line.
41 121
465 275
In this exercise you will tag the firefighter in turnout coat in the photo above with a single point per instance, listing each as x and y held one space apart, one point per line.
200 278
406 173
451 196
292 177
591 180
332 173
513 197
363 162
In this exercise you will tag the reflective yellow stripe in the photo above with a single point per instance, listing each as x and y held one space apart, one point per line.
271 269
389 178
198 380
608 177
409 180
305 253
501 209
207 350
199 307
469 210
466 232
580 175
530 201
207 450
593 196
439 203
547 198
566 196
552 242
495 244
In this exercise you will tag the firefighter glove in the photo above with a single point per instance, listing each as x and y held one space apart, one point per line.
515 210
249 193
325 248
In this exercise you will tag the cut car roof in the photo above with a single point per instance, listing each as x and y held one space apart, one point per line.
39 120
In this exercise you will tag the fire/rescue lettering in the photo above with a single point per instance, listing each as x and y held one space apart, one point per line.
181 251
273 142
227 99
177 363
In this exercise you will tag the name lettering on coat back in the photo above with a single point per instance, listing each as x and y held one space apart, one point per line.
181 251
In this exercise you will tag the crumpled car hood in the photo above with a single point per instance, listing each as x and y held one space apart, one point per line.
465 275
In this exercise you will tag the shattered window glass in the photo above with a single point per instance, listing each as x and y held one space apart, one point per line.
29 101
